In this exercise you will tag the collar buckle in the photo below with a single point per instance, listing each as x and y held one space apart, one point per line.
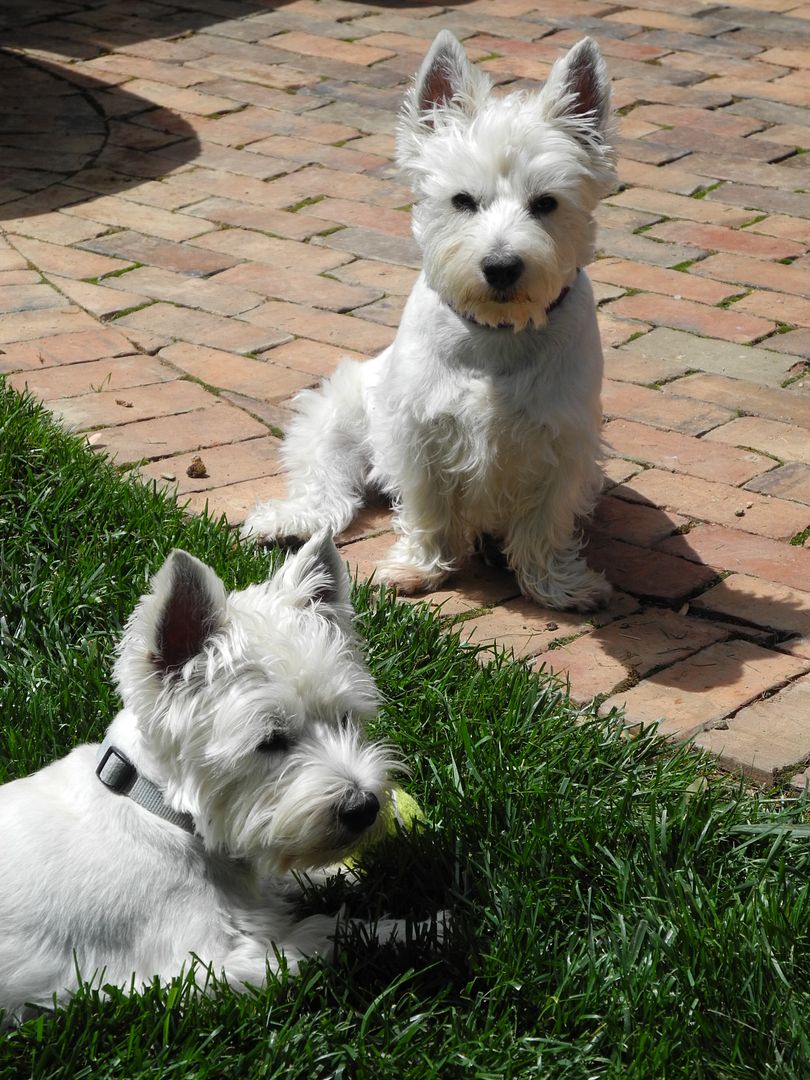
115 770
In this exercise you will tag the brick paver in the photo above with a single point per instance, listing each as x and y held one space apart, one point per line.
201 215
706 688
767 737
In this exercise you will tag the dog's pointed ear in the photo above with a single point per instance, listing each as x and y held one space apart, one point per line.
578 91
185 608
446 75
316 574
446 81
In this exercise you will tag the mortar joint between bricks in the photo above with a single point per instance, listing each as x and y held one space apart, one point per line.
782 778
800 537
780 328
632 679
763 453
462 616
702 192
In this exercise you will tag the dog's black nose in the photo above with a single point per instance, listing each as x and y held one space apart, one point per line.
502 271
359 811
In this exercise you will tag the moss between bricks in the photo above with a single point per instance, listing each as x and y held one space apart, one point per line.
136 307
101 278
701 193
729 300
754 221
293 208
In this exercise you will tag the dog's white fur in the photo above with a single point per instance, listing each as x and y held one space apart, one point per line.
246 711
472 426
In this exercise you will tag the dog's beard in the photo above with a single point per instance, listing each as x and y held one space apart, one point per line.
457 246
519 309
301 832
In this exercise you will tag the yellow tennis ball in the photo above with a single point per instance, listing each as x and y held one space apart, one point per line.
403 810
399 811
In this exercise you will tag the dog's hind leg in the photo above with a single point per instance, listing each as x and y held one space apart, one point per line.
324 936
325 458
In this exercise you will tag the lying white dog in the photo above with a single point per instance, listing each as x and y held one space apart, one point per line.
238 756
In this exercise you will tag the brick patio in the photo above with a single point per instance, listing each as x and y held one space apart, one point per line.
201 216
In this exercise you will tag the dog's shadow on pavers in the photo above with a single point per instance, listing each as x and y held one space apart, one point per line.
695 628
708 630
67 138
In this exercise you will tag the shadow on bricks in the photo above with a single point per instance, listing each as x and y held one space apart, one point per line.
710 626
706 616
55 139
119 28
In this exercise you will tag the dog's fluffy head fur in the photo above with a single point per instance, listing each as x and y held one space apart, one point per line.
248 707
506 186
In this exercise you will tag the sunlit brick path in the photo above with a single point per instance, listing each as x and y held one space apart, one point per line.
201 216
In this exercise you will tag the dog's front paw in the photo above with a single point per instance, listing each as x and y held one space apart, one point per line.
271 524
593 597
571 587
408 579
409 567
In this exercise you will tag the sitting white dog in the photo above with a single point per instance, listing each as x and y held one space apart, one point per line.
238 756
483 417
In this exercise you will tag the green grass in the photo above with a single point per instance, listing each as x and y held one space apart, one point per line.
614 917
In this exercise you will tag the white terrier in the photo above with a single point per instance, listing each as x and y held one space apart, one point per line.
483 416
238 756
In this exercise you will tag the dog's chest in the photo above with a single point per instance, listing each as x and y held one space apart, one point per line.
491 420
492 440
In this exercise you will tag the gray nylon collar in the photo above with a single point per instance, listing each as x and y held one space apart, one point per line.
119 774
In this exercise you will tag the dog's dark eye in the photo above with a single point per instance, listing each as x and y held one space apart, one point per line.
344 721
464 201
275 743
543 204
